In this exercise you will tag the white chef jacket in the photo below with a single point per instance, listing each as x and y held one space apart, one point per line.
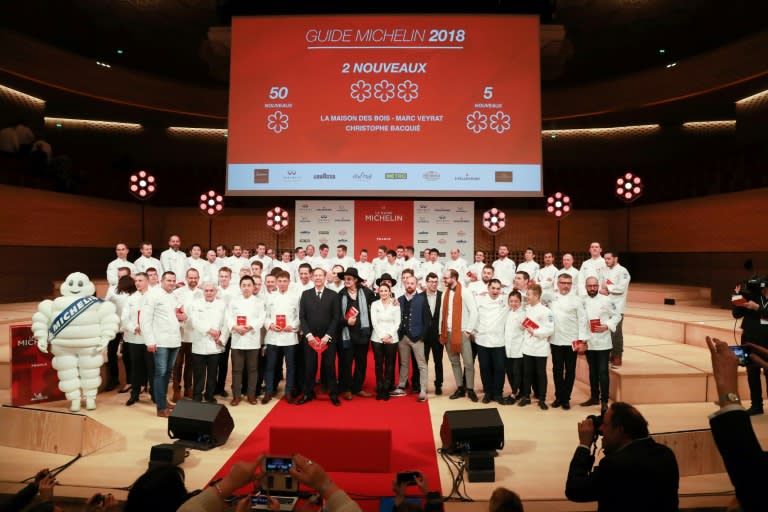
130 317
537 344
254 311
142 263
593 267
203 317
617 282
570 319
504 271
602 308
513 333
116 264
283 304
176 262
159 324
385 319
531 267
492 315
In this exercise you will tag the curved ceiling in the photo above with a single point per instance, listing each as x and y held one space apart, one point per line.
602 38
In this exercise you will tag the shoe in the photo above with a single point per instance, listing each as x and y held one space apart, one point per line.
616 362
253 400
472 395
510 400
335 401
438 390
363 393
590 402
347 395
212 400
289 398
385 396
556 404
304 399
422 397
379 395
223 394
267 397
110 387
176 395
132 400
566 406
235 401
543 405
165 413
397 392
523 402
457 394
754 411
125 389
486 399
603 408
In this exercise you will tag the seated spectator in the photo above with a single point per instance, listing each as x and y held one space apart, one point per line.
744 459
160 489
432 501
637 474
504 500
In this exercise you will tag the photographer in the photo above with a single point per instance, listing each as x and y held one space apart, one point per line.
750 303
636 474
744 459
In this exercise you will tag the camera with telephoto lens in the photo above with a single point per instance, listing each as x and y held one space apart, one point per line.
597 422
753 287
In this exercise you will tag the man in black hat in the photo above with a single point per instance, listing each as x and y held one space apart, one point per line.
355 321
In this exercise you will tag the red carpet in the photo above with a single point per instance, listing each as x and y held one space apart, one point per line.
413 446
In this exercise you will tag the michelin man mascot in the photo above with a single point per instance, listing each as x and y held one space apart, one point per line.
77 326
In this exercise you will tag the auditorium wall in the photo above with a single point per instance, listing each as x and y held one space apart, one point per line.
704 241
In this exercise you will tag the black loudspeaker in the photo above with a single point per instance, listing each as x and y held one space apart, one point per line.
481 466
166 455
200 425
472 430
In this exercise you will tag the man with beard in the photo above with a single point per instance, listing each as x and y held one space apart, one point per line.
637 473
603 319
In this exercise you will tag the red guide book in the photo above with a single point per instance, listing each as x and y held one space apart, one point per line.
351 312
280 321
530 323
594 324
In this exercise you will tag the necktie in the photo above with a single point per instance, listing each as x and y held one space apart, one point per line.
318 295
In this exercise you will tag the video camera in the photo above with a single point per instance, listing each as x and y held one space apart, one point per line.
753 287
597 422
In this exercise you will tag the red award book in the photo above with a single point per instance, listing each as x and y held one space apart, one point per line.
594 324
608 281
241 320
738 300
530 323
351 312
280 321
579 346
317 345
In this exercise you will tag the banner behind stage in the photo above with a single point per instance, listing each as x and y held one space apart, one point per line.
33 379
369 224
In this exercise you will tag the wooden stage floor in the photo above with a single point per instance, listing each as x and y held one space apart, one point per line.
538 444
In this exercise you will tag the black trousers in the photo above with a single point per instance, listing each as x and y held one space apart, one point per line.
598 373
113 369
204 368
274 368
492 370
563 371
514 369
357 355
135 358
182 370
433 345
222 369
534 374
328 362
384 365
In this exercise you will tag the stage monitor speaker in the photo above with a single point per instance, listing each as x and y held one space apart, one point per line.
166 455
200 425
472 430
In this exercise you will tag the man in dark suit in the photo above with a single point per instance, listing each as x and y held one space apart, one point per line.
744 458
432 335
319 317
637 474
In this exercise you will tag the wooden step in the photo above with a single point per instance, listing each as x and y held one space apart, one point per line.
657 293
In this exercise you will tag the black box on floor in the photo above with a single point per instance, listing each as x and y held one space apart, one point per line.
200 425
472 430
481 466
166 455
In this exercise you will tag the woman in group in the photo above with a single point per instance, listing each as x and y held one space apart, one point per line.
385 317
513 343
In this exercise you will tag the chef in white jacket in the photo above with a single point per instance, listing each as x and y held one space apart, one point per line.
513 344
489 337
208 322
539 325
245 317
615 286
603 319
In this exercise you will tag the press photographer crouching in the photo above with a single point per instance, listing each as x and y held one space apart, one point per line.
750 303
636 473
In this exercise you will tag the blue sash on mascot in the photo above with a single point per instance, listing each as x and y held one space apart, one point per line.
67 316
